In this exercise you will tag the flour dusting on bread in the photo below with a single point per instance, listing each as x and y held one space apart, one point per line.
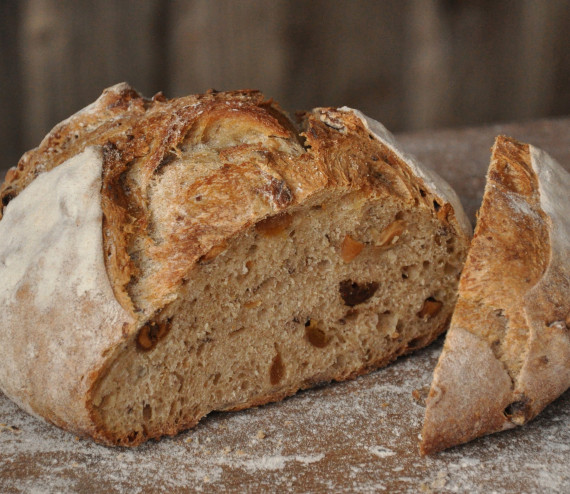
65 228
514 299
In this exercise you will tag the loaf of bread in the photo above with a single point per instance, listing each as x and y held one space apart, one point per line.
507 353
161 259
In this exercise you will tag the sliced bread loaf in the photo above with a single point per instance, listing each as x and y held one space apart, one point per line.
507 353
161 259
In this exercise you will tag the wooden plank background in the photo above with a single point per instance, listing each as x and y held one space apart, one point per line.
413 64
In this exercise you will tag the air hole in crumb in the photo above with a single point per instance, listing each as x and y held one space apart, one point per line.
517 411
410 271
147 412
416 343
216 378
449 268
399 215
354 293
340 362
323 264
351 315
422 192
386 324
173 409
132 437
316 336
277 370
426 264
436 206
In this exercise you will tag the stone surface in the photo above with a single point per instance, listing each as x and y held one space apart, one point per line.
358 436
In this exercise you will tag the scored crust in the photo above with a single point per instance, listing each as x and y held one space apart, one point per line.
179 181
507 352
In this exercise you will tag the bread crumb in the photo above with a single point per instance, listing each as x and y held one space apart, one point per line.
240 452
9 428
384 405
260 434
420 396
227 450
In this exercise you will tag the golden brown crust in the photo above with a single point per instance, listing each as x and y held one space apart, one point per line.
503 362
139 136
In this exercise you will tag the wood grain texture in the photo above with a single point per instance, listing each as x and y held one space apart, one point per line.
68 54
358 436
10 86
411 64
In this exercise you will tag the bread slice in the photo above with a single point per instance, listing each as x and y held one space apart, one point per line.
507 353
161 259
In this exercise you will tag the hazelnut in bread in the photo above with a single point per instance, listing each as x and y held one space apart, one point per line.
507 352
164 258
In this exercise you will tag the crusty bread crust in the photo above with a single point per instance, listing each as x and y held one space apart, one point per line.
507 352
147 263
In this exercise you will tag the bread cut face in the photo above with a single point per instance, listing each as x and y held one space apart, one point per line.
246 259
507 353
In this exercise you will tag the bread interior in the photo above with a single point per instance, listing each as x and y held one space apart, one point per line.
337 287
